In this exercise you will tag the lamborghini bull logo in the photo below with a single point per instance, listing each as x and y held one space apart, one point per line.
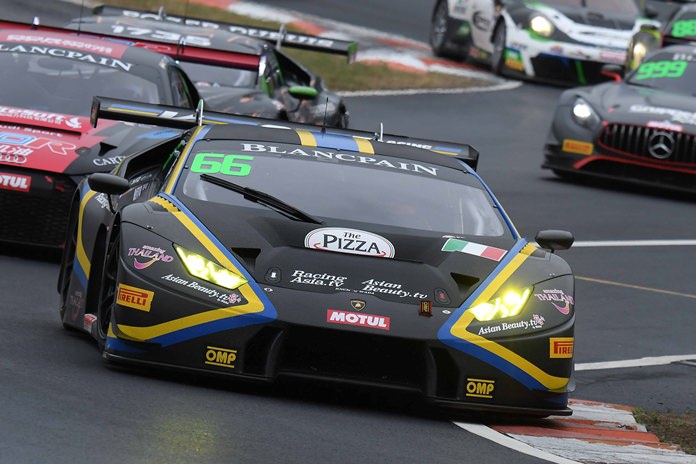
356 242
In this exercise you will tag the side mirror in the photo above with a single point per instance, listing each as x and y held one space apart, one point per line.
612 70
303 92
650 12
108 183
554 240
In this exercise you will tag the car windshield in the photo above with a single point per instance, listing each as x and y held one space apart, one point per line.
204 75
62 85
613 6
327 183
666 70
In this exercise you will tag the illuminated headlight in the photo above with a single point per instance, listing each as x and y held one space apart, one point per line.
509 304
198 266
584 114
541 26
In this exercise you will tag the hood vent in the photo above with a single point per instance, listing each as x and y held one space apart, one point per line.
464 284
247 256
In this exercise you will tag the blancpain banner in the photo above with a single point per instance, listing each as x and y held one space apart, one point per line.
356 242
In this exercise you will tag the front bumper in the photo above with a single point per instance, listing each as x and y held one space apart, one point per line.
299 343
559 62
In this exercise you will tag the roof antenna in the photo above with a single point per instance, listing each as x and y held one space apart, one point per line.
161 14
79 24
379 136
281 36
180 48
326 110
35 23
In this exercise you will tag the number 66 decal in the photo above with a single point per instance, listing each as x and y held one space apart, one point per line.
214 163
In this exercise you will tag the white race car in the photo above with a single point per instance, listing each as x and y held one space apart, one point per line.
562 41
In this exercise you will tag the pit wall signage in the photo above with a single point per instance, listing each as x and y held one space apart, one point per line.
351 241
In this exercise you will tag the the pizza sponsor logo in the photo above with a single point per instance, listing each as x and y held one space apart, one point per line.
16 182
577 146
480 388
148 256
360 320
350 241
134 297
561 347
221 357
558 298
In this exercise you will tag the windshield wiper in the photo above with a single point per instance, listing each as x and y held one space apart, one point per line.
263 198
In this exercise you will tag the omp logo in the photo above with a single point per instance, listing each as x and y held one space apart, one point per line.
361 320
480 388
222 357
14 182
134 297
561 347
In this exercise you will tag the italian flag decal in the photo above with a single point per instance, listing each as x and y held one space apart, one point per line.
476 249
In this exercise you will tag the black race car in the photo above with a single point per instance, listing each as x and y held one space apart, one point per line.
48 77
255 78
641 130
266 252
678 29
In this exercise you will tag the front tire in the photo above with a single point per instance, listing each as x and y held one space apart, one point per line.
107 288
441 32
498 55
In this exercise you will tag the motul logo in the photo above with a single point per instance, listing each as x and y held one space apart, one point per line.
362 320
14 182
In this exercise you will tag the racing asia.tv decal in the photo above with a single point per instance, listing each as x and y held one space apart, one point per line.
356 242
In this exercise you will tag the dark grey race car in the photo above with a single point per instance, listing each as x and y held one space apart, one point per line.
641 130
262 252
254 77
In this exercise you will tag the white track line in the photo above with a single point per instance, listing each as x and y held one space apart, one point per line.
632 243
503 440
640 362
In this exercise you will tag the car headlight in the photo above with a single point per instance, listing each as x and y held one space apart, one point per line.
540 25
509 304
203 268
583 113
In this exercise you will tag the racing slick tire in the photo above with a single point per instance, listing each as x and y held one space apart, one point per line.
441 32
108 278
498 55
67 263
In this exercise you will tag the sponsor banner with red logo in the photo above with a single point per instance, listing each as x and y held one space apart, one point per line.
72 41
14 182
334 316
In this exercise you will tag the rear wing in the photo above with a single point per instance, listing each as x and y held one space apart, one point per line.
177 51
278 37
184 118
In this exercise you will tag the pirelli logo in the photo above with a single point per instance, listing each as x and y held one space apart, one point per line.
480 388
222 357
561 347
576 146
134 297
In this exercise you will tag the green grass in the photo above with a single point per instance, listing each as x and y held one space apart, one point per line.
334 70
675 428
